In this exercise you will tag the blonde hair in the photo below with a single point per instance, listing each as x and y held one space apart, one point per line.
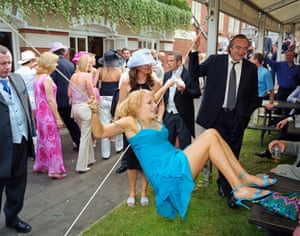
83 63
130 105
46 63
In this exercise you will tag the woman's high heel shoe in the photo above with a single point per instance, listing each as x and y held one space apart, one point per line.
265 184
131 201
257 196
57 175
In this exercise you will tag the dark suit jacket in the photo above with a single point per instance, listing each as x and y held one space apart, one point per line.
6 145
67 68
215 68
184 102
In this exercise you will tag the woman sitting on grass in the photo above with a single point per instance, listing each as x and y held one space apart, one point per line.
171 171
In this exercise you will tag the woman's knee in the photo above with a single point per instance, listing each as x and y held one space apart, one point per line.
212 135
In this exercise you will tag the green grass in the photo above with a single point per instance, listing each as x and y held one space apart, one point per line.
208 213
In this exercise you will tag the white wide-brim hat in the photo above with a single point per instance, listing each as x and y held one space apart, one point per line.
58 45
139 58
26 56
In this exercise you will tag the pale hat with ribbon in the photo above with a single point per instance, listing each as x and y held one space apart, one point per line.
26 56
140 57
58 45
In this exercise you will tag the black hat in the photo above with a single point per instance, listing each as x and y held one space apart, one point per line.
111 58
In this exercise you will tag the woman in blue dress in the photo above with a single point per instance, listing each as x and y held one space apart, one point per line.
171 171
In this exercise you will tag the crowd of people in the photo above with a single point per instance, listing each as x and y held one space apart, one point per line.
141 100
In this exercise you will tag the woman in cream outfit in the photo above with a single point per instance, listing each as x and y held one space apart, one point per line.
80 89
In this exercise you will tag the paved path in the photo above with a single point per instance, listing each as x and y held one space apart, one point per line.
51 206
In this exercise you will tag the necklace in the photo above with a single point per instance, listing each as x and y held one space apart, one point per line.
152 124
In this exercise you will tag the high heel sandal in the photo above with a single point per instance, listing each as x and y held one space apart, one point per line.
57 176
265 178
257 196
144 201
38 171
130 201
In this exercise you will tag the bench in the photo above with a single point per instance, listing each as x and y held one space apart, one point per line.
264 121
264 129
273 224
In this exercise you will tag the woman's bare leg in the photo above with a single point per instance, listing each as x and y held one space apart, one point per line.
210 146
144 185
132 177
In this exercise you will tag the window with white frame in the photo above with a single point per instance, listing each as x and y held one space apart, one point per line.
196 9
233 26
221 22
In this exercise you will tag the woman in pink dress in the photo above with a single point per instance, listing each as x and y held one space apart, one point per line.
49 157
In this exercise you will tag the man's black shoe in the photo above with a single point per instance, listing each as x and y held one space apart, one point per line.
21 227
222 192
272 122
121 169
265 153
231 202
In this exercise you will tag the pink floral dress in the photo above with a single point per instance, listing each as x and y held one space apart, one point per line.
49 157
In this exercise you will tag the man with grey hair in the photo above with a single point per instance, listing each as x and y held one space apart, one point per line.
17 129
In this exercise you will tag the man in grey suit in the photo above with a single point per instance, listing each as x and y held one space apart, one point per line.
17 129
223 107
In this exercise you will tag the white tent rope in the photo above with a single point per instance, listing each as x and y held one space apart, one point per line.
97 190
35 50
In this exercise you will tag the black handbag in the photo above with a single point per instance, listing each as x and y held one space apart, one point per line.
114 102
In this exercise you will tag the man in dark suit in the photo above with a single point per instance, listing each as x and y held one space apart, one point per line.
17 129
216 111
179 115
60 76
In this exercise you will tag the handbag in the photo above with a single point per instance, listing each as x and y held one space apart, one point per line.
284 204
114 102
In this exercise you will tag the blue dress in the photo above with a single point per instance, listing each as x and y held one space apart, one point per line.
166 168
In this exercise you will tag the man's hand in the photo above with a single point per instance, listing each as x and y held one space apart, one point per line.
269 106
282 123
180 85
196 43
280 143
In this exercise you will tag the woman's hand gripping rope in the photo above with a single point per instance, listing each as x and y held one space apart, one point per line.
93 104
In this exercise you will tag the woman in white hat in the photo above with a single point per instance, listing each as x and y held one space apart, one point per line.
140 76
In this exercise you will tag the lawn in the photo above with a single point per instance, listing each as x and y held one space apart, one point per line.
208 213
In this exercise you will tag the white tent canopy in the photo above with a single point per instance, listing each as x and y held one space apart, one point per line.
277 13
282 16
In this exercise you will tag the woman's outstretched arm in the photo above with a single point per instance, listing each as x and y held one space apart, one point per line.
98 129
125 125
160 93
